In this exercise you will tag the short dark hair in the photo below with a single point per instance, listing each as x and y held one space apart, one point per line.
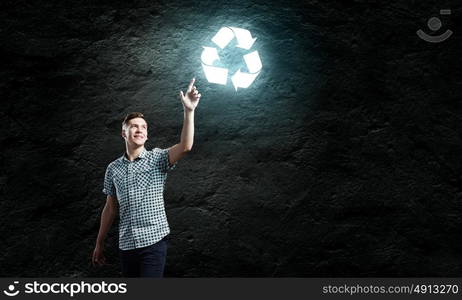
130 116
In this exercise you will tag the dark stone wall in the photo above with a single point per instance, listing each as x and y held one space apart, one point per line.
342 159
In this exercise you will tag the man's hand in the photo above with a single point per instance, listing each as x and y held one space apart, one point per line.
191 98
98 257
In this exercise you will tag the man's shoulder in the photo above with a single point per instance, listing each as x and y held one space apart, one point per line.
155 152
115 163
156 149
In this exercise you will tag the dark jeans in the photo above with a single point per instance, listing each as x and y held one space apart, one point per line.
148 261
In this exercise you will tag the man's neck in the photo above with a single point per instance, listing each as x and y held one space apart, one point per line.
133 152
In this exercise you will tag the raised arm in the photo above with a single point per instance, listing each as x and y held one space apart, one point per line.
190 100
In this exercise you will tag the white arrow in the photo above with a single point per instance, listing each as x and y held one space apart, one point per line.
253 62
243 80
244 38
215 74
223 37
209 55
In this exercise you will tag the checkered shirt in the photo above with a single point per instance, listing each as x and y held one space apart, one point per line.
139 186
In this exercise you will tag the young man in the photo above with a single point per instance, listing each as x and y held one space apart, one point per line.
134 185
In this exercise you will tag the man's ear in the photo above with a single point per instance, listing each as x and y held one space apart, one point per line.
123 134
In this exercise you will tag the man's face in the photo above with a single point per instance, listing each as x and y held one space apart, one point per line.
136 132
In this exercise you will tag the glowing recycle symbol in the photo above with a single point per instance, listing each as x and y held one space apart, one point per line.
219 75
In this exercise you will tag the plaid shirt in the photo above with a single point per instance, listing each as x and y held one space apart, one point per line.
139 186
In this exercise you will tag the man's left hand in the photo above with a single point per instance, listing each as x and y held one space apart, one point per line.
191 98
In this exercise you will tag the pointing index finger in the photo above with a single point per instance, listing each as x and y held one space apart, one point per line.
191 84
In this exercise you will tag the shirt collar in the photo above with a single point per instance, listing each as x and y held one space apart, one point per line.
141 156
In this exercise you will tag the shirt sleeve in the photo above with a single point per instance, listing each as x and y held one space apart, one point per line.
163 161
109 188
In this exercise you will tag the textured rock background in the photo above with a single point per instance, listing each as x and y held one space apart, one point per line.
342 159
